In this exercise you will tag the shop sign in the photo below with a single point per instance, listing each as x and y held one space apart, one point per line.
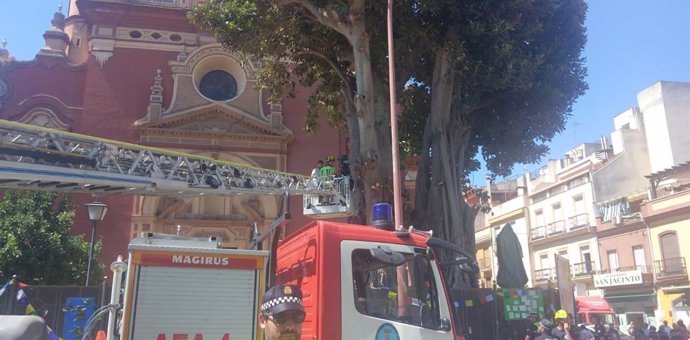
618 279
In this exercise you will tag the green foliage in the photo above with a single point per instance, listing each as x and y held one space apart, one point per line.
36 243
518 64
316 54
496 77
518 69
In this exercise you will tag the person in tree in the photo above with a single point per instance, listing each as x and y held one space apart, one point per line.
328 169
316 172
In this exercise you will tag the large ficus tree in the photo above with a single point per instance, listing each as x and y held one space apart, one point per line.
493 76
505 76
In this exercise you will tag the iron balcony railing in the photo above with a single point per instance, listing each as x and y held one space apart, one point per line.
538 232
544 274
555 228
674 266
573 223
583 268
578 221
643 269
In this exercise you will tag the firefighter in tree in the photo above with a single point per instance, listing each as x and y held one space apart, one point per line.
282 313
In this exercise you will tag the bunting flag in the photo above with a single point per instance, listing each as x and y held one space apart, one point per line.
30 310
52 335
485 299
22 297
474 302
4 288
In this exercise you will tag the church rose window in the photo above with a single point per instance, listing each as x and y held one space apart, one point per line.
218 85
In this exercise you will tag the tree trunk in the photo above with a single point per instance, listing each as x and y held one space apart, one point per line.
438 203
372 165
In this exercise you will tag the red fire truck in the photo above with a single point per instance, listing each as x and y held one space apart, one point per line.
359 282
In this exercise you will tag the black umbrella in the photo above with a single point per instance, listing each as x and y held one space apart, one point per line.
511 271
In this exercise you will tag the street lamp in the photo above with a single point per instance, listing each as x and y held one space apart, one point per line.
97 211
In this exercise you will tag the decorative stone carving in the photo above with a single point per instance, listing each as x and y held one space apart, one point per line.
156 98
102 49
187 66
44 117
4 89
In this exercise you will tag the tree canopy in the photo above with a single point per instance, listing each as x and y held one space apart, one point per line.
493 77
36 243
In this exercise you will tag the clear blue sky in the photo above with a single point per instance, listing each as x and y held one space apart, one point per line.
631 45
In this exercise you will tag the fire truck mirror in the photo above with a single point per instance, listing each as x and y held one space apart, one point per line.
386 255
445 325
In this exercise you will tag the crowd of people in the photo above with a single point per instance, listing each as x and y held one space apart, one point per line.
564 328
282 315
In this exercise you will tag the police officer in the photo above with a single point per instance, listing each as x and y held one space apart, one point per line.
282 313
544 329
531 331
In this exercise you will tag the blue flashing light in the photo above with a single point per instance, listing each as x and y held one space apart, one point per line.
382 216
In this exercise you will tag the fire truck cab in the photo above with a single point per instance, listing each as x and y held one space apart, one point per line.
361 282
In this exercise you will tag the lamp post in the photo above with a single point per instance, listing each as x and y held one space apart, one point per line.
97 212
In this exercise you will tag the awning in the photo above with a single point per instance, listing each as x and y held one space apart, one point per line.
592 304
632 298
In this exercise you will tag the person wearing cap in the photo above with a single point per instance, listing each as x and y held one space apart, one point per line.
282 313
544 328
532 327
563 328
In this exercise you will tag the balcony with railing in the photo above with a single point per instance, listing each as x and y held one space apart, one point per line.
671 269
555 228
583 269
642 269
541 275
538 232
578 223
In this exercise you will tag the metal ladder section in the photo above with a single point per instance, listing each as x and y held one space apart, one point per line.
37 158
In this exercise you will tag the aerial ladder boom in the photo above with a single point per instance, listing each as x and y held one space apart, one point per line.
37 158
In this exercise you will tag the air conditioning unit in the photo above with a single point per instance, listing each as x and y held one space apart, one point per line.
618 220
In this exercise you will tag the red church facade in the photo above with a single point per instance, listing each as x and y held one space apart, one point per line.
140 72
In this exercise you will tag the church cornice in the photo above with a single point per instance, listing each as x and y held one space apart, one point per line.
187 65
207 135
211 111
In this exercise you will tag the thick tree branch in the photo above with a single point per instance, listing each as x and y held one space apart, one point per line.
334 66
327 18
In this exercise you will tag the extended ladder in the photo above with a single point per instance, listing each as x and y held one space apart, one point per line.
36 158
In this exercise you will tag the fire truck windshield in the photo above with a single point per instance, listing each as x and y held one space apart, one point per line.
404 293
